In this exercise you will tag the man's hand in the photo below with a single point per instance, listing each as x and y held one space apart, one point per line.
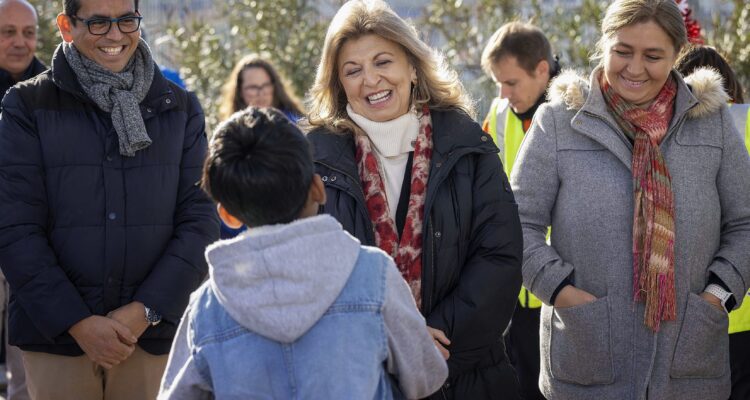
132 315
104 340
440 340
713 300
570 296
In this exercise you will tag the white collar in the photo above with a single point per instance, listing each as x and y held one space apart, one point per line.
390 138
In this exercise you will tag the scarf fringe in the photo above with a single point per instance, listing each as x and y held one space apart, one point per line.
653 211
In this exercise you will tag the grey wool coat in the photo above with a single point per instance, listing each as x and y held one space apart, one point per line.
573 173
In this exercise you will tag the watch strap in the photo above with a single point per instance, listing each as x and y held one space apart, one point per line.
721 293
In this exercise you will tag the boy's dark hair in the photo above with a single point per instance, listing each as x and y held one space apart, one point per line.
707 56
259 167
524 41
71 7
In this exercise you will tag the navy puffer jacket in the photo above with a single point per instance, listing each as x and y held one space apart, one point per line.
471 250
84 230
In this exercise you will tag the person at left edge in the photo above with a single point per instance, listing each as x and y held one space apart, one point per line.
407 169
102 224
18 40
18 21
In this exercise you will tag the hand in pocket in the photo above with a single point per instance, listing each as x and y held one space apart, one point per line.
571 296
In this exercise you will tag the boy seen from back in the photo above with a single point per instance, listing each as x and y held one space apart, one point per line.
295 307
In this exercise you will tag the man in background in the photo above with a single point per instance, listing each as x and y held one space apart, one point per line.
518 58
18 28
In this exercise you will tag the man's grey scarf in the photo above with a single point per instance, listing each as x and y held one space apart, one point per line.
118 93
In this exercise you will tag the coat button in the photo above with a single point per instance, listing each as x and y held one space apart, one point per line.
148 110
109 158
168 101
112 216
333 178
483 138
438 234
438 164
324 179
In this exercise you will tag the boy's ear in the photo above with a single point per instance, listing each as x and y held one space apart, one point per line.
228 219
317 191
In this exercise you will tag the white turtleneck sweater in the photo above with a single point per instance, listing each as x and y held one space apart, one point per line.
391 141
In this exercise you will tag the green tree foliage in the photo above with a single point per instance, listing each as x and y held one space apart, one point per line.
732 38
462 31
204 61
290 33
48 35
464 28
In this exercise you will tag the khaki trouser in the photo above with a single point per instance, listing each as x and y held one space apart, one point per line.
53 377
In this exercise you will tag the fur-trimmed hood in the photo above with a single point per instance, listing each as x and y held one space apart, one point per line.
706 85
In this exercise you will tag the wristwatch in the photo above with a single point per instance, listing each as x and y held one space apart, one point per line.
152 317
719 292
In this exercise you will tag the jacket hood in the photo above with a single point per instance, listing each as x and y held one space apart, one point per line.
279 280
572 89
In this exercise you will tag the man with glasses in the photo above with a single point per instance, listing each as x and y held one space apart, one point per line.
102 221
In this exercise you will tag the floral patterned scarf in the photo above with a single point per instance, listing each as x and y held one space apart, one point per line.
653 219
406 251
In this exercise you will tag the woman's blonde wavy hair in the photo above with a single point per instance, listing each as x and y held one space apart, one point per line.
437 84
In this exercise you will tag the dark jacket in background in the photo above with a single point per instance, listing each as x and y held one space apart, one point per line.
84 230
6 81
471 253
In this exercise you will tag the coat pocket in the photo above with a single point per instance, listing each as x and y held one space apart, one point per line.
580 344
702 349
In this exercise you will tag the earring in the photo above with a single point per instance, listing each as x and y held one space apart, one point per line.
415 100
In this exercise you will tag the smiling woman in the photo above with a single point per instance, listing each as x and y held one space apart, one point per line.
642 179
638 62
377 77
407 170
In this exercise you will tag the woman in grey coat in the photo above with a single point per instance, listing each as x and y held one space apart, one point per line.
643 178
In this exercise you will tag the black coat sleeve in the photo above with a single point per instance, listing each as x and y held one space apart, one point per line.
182 267
28 261
477 311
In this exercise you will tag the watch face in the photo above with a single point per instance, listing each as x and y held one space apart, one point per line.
152 316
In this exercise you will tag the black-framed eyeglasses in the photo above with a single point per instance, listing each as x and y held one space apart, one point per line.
101 26
256 90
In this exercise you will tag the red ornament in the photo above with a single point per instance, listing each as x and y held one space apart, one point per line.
692 26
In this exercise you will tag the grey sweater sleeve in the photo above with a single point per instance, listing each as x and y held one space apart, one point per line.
183 378
535 183
731 263
413 359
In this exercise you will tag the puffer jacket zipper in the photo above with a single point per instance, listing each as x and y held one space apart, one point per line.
432 187
359 197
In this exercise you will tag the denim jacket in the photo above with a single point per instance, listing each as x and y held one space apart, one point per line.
302 311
